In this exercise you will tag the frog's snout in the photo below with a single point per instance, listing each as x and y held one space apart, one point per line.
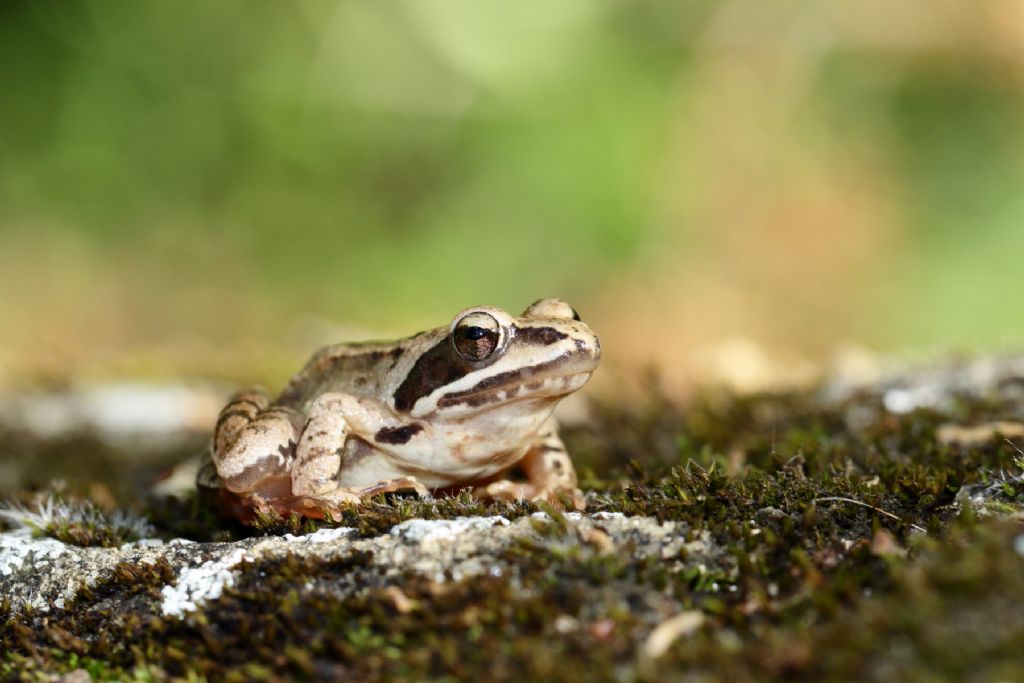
588 348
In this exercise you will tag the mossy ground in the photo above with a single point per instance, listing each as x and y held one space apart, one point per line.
851 560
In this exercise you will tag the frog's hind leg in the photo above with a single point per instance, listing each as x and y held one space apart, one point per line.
549 473
241 410
253 444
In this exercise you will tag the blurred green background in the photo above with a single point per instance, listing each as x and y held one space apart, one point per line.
214 188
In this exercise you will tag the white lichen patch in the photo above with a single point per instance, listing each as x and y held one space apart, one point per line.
197 585
143 543
425 531
19 547
571 516
600 516
322 535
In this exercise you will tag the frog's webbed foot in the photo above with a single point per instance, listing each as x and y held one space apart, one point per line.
505 489
332 500
322 505
313 507
330 503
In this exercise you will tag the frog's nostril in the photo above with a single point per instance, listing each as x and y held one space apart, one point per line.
591 347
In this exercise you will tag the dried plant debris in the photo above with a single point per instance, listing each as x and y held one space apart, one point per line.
836 534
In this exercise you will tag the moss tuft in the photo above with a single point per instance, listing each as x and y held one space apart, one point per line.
76 521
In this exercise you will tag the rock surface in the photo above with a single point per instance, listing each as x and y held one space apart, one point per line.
42 573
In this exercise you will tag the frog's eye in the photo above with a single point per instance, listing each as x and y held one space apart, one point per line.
476 336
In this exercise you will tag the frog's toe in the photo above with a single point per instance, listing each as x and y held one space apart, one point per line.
574 498
507 490
333 502
560 498
312 507
402 484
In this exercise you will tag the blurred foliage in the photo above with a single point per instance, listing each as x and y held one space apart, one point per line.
181 182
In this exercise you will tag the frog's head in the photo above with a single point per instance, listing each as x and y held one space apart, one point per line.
489 359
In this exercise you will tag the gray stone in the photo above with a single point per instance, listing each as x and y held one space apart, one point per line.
40 572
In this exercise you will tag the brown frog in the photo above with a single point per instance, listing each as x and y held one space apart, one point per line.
456 406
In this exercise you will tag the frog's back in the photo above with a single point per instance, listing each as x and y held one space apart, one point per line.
365 369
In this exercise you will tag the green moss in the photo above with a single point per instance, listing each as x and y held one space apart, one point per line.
846 558
377 515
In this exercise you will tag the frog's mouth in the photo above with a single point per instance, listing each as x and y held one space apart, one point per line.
518 385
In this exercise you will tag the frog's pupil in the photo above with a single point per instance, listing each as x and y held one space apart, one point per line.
474 333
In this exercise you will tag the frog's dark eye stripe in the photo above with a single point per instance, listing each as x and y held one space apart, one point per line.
432 370
541 336
451 359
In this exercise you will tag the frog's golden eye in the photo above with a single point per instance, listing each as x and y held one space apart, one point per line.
476 336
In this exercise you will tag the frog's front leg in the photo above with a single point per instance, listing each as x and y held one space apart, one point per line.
549 472
333 418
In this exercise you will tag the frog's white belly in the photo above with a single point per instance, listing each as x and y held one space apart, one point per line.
448 453
384 467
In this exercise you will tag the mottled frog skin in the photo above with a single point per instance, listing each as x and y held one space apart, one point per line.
456 406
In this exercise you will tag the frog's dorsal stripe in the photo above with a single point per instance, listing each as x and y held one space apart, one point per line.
357 357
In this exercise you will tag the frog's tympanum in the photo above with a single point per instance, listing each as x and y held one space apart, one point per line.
458 406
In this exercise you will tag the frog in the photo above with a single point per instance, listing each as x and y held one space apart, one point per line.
462 406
